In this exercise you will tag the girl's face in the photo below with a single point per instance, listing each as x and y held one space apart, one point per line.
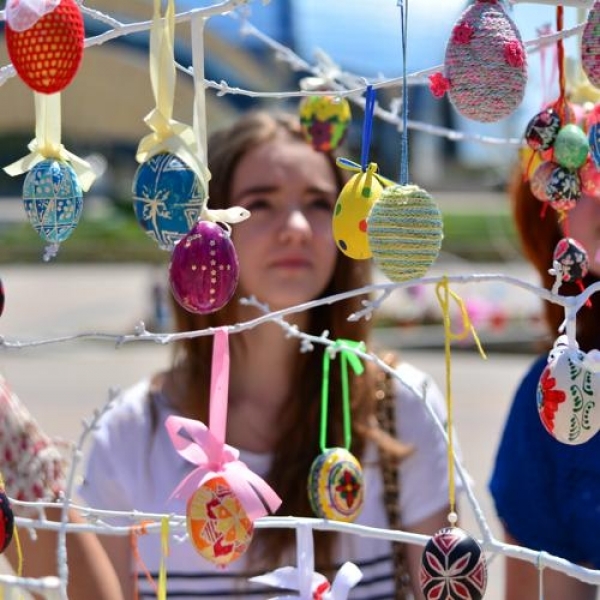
583 224
286 249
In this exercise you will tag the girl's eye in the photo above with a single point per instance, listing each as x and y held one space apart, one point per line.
257 204
323 203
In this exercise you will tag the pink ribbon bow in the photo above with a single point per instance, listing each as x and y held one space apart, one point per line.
205 446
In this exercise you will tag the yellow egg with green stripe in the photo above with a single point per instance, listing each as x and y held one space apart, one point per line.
349 223
336 485
405 231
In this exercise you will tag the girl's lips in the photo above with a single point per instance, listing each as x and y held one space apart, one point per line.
291 263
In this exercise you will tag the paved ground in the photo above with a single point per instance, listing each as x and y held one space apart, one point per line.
63 383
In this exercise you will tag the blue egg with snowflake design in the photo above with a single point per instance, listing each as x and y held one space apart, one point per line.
167 198
53 199
453 567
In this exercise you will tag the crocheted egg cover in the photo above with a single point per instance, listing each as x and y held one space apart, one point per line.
590 45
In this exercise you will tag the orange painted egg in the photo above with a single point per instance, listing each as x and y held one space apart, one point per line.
349 223
336 485
217 524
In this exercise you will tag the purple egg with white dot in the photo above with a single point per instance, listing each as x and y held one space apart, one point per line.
204 268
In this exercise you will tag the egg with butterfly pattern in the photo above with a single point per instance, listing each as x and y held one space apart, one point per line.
53 199
204 268
336 485
7 522
217 524
453 567
324 121
168 198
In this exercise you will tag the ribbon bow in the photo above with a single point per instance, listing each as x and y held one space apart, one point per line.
168 135
288 578
47 143
205 448
371 169
24 14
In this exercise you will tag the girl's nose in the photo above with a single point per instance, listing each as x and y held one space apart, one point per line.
296 225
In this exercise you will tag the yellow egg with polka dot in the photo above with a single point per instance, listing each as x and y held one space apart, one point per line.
350 213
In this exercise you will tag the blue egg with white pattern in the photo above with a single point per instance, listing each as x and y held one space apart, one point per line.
167 198
594 141
53 199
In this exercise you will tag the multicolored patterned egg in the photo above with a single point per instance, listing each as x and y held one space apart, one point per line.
589 176
204 269
324 121
538 184
564 188
486 63
336 485
590 45
542 129
594 142
2 297
47 54
217 524
349 223
572 259
7 522
405 232
567 396
167 198
453 567
53 199
571 147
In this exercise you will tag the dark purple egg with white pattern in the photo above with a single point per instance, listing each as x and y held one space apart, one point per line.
7 522
572 259
564 188
542 129
453 567
204 268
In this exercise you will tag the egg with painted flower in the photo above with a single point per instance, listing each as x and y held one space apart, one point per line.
217 524
168 198
453 567
324 121
336 485
53 199
349 223
7 522
571 258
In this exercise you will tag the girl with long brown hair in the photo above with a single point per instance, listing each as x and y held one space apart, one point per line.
287 257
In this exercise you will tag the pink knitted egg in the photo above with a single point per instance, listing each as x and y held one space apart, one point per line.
485 63
204 269
590 45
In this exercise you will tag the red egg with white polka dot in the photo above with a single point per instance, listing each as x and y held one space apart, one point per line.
204 268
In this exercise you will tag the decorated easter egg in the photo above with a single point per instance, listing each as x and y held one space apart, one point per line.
167 198
405 232
564 188
46 53
204 269
542 129
2 297
572 258
53 199
590 45
571 146
217 523
336 485
486 63
324 121
453 567
538 184
567 395
7 522
594 142
589 176
352 207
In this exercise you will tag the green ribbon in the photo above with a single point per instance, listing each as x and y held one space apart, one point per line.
346 350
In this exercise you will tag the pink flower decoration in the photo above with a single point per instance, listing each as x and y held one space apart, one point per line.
438 84
462 33
514 53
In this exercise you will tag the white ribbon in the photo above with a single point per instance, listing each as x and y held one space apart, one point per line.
24 14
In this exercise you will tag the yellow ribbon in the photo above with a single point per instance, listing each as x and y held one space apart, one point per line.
47 143
161 592
350 165
168 135
444 294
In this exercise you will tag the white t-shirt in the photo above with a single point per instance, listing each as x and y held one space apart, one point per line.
130 466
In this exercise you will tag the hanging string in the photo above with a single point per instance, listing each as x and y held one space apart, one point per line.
560 58
134 532
367 127
161 592
347 356
444 294
403 4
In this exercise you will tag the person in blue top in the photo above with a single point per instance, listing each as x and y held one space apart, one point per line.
547 493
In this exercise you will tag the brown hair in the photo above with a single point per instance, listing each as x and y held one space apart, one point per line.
539 231
298 444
